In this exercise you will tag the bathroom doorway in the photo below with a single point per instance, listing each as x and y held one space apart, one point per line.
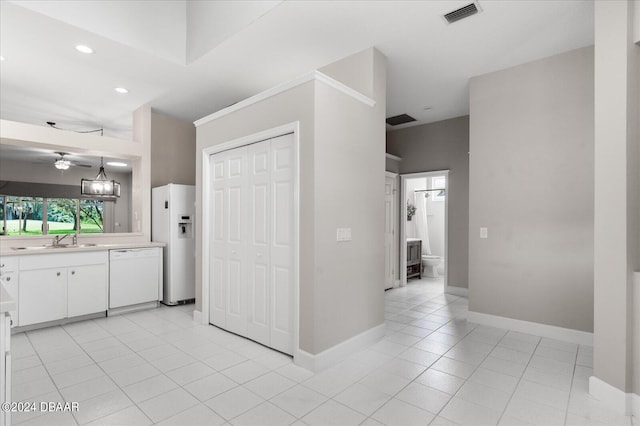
424 227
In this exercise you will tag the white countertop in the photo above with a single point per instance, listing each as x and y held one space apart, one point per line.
40 249
6 302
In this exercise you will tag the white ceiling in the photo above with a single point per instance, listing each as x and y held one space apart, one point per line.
189 59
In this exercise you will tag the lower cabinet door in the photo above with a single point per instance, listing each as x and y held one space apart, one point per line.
42 295
87 289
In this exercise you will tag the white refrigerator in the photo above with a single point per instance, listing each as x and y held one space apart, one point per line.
172 223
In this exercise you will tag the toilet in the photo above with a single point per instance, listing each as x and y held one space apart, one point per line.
430 265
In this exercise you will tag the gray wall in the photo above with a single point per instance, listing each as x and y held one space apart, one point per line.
531 185
173 151
440 146
392 165
341 185
349 192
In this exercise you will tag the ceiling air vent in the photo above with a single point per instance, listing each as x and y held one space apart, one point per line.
400 119
463 12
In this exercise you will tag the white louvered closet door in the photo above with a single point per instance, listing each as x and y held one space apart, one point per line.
252 261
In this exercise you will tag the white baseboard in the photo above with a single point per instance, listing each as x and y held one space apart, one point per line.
617 400
197 316
337 353
544 330
635 405
457 291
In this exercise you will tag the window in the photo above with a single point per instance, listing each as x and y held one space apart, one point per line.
23 215
91 217
62 216
52 216
439 182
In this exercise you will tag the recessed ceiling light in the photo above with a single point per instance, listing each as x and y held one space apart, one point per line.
116 164
121 90
84 49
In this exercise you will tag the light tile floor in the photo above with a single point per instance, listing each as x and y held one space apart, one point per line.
433 367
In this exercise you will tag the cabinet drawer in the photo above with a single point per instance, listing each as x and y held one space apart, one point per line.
56 260
9 263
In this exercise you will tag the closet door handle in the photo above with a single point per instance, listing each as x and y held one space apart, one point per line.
58 274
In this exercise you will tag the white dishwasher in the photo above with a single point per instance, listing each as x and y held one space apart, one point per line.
135 276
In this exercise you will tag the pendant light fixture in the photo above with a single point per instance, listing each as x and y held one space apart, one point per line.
100 186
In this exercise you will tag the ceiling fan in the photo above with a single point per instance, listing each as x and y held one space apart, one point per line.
63 164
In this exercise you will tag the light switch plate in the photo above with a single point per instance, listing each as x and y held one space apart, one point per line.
484 233
343 234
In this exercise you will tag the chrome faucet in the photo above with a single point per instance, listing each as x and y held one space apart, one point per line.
58 238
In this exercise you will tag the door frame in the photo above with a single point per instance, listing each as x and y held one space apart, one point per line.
206 215
396 237
403 223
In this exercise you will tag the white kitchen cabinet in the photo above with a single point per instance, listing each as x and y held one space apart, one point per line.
57 286
9 266
43 295
87 289
7 304
5 367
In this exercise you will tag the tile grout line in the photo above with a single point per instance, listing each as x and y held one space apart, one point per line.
48 374
467 380
519 379
439 357
107 375
430 365
573 375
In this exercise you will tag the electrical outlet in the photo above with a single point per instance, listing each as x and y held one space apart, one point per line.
484 233
343 234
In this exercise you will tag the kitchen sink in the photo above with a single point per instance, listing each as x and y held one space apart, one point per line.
52 247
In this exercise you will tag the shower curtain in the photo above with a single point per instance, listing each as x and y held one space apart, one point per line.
422 227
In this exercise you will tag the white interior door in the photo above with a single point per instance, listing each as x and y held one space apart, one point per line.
236 241
390 234
259 240
218 253
252 255
228 307
282 243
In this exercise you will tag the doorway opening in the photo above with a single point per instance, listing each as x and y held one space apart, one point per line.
424 227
